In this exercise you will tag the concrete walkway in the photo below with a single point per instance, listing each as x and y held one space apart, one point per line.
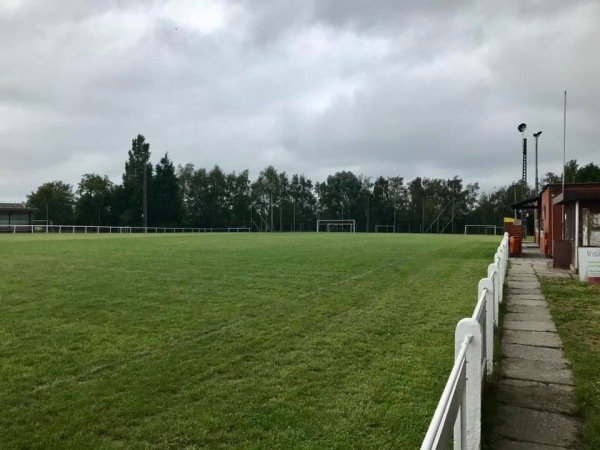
536 404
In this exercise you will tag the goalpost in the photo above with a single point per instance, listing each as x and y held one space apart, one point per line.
346 225
384 229
483 229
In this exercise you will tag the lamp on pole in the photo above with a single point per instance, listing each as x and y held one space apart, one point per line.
522 128
536 136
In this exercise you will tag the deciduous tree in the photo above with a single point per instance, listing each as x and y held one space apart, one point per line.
54 202
93 199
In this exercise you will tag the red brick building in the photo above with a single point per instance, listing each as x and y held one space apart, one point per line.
565 221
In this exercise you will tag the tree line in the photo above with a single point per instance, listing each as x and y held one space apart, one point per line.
187 196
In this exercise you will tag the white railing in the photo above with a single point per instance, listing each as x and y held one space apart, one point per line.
73 229
459 408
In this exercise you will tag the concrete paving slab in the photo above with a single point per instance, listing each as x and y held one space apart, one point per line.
534 395
534 338
519 266
542 263
547 372
539 427
526 383
522 274
506 444
510 297
539 316
533 353
523 284
522 271
529 326
523 291
526 305
517 275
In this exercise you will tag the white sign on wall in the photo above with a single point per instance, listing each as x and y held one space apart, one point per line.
589 264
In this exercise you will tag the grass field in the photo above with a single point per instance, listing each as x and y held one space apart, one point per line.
575 307
282 341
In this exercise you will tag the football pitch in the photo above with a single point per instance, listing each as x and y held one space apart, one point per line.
278 341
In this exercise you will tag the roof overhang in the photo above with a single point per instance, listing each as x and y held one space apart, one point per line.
15 207
567 197
528 203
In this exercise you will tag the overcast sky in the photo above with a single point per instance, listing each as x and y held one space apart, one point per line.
381 87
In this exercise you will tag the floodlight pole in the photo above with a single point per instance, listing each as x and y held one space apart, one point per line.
522 127
536 136
524 164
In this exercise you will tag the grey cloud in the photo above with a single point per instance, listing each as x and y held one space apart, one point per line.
385 88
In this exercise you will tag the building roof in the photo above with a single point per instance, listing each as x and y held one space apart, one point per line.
572 193
528 203
567 197
588 186
15 207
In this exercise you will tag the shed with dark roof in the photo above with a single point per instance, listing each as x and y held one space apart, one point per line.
12 214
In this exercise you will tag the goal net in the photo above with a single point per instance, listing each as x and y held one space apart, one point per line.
483 229
346 225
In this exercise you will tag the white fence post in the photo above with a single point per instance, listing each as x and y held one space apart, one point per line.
494 275
472 403
487 285
498 261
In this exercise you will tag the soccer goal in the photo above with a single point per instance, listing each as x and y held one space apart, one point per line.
384 228
483 229
346 225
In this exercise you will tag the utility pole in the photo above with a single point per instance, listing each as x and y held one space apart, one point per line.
145 213
271 202
536 212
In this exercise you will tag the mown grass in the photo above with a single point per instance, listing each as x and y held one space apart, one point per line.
283 341
575 307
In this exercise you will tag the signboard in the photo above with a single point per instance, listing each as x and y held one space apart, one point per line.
589 264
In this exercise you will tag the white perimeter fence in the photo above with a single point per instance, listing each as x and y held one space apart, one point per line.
61 229
459 409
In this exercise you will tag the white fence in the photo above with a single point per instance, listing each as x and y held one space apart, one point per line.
459 409
483 229
73 229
